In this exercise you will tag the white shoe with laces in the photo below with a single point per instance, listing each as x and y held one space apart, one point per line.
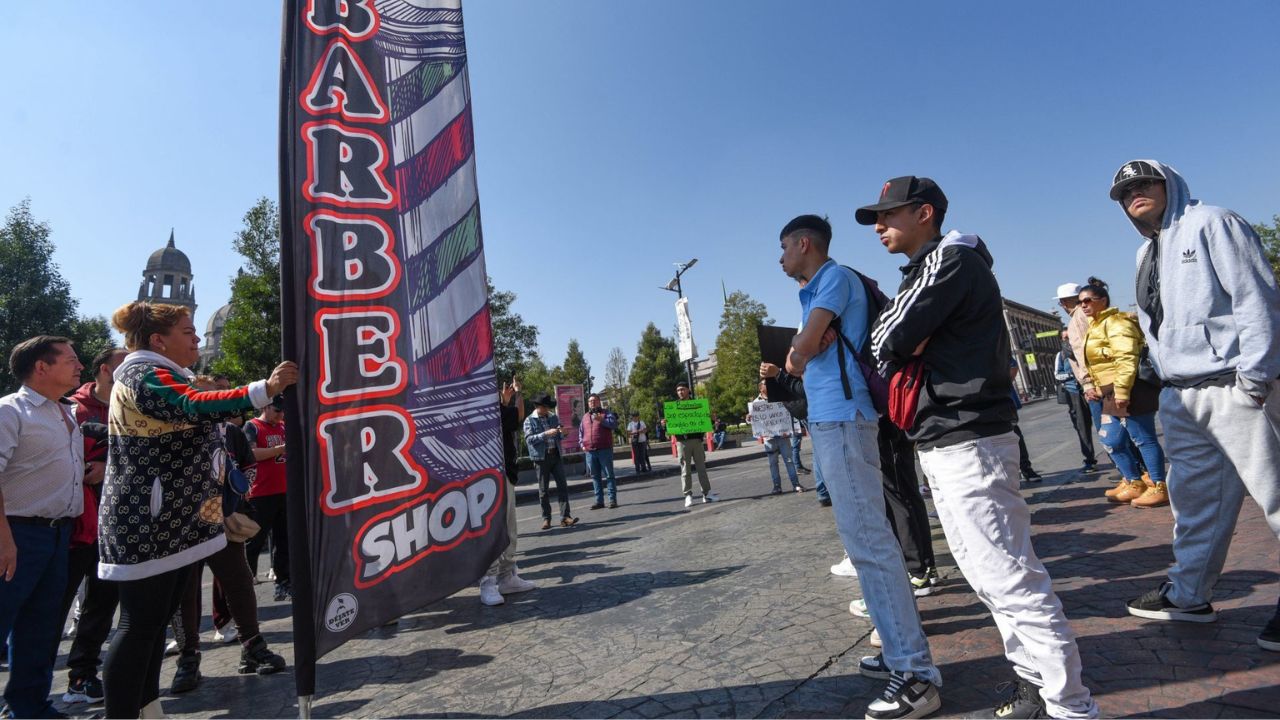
513 583
226 634
710 498
906 696
844 568
489 594
859 608
688 501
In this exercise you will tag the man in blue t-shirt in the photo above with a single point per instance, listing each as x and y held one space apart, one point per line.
843 424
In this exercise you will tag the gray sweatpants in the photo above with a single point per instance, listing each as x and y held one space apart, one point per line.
506 562
1220 444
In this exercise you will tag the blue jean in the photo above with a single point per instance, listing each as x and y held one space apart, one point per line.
600 463
849 455
796 440
1122 438
718 439
29 615
773 447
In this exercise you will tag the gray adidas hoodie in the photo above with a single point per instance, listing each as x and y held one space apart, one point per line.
1220 298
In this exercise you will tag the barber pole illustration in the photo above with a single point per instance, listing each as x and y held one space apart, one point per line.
396 500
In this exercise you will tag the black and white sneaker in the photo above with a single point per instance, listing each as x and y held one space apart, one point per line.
1270 637
873 666
1155 605
1022 701
906 696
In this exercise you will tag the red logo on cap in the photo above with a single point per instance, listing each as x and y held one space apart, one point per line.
884 191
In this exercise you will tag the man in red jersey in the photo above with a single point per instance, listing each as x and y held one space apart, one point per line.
266 495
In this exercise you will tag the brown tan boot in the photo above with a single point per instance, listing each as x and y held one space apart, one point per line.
1131 493
1121 486
1156 495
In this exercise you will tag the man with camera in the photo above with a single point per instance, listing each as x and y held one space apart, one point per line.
596 437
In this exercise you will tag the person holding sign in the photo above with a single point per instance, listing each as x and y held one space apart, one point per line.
689 421
767 419
844 428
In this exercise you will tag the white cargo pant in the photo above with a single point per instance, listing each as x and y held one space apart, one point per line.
988 526
1220 444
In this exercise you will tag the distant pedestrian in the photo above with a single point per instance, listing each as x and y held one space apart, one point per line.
595 434
720 432
638 432
1113 351
691 451
542 434
42 473
946 327
776 446
1073 375
1210 309
1024 457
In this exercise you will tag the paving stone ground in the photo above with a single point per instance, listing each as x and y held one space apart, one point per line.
728 610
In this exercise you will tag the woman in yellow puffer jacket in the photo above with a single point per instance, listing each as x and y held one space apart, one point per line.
1112 350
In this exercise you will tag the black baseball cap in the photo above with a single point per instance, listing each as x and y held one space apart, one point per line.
906 190
1132 172
277 402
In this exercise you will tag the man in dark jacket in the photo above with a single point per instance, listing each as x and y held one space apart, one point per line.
948 316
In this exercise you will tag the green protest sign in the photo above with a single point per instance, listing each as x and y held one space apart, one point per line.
687 416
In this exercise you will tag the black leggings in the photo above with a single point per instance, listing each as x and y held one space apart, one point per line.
131 673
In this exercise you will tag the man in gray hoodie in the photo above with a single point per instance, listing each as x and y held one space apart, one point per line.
1209 306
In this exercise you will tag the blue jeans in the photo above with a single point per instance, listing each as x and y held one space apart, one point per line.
796 439
718 439
600 462
29 615
773 447
849 455
1137 432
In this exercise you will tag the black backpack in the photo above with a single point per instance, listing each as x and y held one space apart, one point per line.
877 385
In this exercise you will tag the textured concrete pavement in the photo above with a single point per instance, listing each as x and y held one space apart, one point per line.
728 610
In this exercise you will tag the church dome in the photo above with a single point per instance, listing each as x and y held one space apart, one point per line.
218 319
169 259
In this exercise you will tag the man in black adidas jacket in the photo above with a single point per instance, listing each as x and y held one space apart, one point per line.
948 314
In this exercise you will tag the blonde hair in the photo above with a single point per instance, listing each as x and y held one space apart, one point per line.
139 320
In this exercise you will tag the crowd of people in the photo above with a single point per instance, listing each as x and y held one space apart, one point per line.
141 477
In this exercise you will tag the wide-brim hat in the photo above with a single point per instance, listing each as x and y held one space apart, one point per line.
544 400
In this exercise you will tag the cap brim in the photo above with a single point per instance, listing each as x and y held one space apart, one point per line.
867 215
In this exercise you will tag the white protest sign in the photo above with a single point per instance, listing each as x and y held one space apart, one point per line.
769 419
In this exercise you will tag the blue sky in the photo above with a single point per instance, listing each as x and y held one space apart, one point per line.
615 139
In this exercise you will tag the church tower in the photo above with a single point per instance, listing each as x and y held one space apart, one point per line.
167 278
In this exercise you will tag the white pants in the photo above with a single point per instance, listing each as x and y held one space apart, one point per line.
1220 444
506 562
988 526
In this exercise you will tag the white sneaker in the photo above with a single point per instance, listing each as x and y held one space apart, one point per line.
227 634
844 568
688 501
859 608
171 648
513 583
489 594
875 638
710 497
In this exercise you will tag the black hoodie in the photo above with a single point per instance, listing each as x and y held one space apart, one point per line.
950 297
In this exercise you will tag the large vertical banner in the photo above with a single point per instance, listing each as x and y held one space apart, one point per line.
396 499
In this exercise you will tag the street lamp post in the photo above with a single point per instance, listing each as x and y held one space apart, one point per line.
675 287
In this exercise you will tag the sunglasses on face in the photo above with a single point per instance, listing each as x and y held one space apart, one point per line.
1140 186
1089 301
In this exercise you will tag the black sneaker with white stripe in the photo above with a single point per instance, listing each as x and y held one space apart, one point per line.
1155 605
906 696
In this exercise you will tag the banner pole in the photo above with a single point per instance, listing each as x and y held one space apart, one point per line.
304 641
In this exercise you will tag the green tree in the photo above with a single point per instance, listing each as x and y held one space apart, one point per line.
537 378
250 346
515 342
575 370
616 389
1270 235
654 374
34 297
736 377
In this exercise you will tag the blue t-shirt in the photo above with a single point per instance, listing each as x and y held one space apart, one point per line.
839 291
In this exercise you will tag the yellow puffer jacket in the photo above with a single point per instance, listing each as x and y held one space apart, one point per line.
1112 349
